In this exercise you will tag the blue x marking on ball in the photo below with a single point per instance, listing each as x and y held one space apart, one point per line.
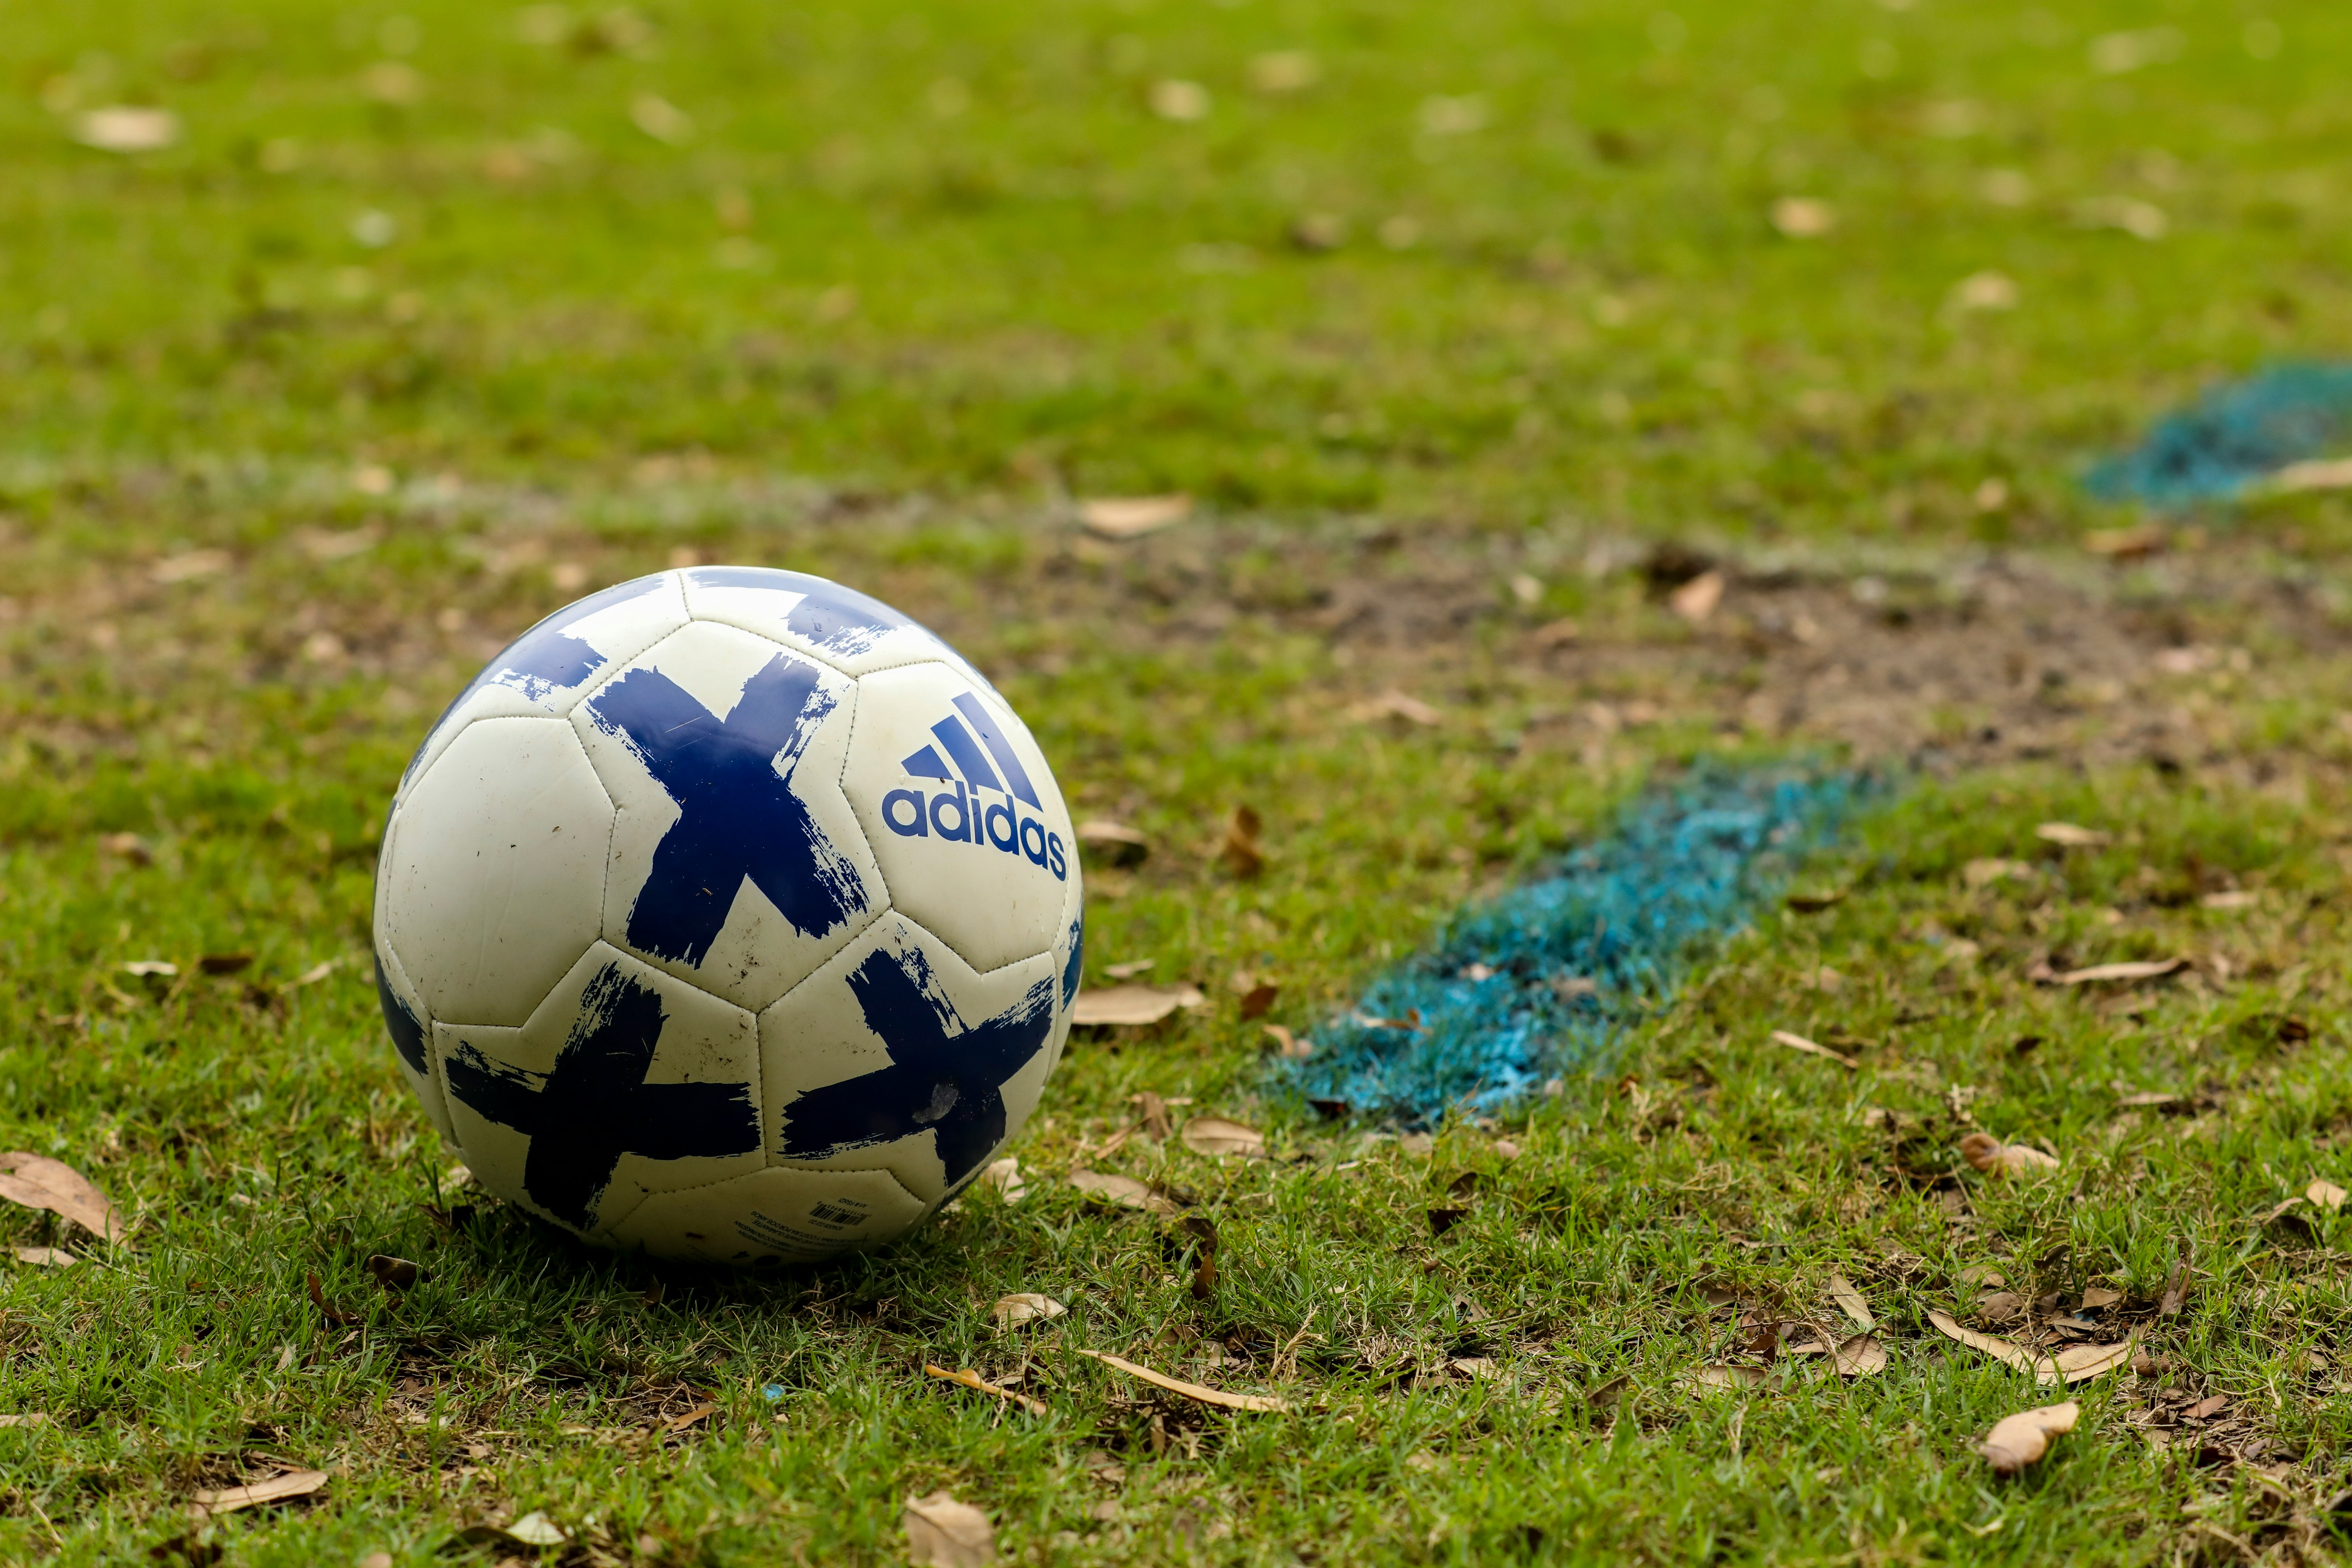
737 815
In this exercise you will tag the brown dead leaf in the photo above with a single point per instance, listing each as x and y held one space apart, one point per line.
1132 517
1124 1191
1151 1114
1984 873
25 1418
2098 1298
1258 1000
1133 1006
2175 1290
1696 600
1242 855
693 1417
2142 969
1859 1356
2325 1193
944 1533
392 1273
38 1182
1990 1154
1798 1042
1004 1177
1395 704
46 1257
276 1488
1286 1045
1850 1303
1814 903
2072 1364
2077 1362
1215 1136
2005 1350
2127 543
1719 1377
1114 843
969 1379
2017 1441
2071 836
1026 1307
1189 1390
224 962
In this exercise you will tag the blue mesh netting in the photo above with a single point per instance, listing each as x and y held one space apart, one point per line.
1541 980
2232 436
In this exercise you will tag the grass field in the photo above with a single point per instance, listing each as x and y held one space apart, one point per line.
429 320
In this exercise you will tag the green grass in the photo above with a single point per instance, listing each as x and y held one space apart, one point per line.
955 250
915 279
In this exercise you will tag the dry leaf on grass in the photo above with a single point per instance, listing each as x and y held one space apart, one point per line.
1697 599
1243 855
2324 1193
1395 704
1984 872
1214 1136
1860 1356
1257 1001
392 1273
1133 1006
2072 1364
1798 1042
968 1379
1989 1153
2175 1290
25 1418
46 1257
1286 1045
1003 1176
1114 843
1130 969
1189 1390
1850 1303
276 1488
2070 835
1124 1191
1132 517
2017 1441
1718 1378
2001 1350
534 1530
2141 970
40 1182
944 1533
127 128
1026 1307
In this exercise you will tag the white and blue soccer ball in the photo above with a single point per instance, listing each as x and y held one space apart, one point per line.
730 915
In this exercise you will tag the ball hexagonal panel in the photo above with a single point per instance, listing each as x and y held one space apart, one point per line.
625 1081
737 862
840 626
779 1215
543 672
962 812
495 862
410 1026
899 1054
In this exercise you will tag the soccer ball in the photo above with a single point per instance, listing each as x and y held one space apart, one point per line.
730 915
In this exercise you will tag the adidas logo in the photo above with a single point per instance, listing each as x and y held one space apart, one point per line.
957 814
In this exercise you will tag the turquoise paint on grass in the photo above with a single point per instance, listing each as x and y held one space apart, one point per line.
2234 436
1683 867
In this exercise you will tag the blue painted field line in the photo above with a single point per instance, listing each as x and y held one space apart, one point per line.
2234 436
1545 979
